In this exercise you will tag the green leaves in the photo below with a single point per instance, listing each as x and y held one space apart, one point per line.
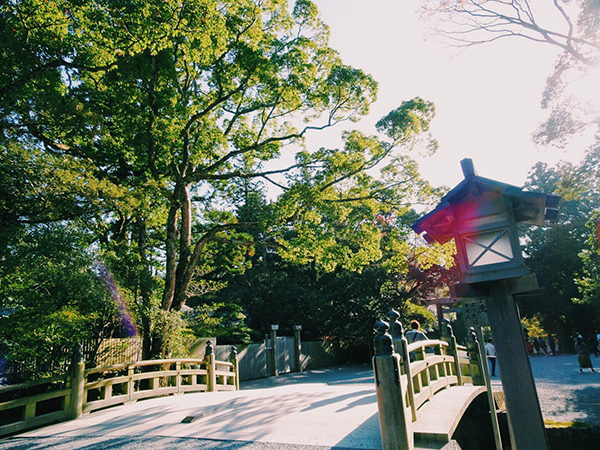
54 298
408 123
338 197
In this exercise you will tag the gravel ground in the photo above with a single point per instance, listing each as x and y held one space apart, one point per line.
565 393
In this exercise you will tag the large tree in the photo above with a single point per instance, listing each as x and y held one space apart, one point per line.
343 239
157 111
167 101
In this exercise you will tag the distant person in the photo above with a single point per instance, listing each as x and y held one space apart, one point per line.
543 346
583 355
490 352
415 334
597 343
529 347
536 345
552 345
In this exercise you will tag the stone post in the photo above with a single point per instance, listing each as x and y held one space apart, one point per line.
77 370
233 358
211 367
396 427
298 347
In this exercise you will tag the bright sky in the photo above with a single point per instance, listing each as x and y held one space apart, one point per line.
487 97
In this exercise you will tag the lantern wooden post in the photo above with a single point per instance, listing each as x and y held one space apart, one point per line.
524 413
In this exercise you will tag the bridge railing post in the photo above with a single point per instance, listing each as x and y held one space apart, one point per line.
490 393
475 358
211 367
77 370
396 430
233 358
401 347
448 336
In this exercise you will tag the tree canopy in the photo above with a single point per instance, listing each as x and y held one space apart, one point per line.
142 124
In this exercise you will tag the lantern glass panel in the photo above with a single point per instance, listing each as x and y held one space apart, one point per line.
492 247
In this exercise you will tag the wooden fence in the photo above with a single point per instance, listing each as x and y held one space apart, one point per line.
40 402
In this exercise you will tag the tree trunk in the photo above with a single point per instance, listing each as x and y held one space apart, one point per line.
171 254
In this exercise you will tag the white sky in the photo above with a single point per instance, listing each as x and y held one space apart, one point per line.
487 97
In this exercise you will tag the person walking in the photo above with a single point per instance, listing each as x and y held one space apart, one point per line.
414 335
529 347
583 355
552 345
490 352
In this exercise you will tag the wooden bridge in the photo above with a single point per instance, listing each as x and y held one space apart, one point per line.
38 403
426 389
422 403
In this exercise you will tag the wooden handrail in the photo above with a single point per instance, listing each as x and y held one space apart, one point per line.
75 397
29 384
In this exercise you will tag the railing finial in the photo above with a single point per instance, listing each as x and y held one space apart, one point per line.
77 354
396 328
382 341
209 348
447 329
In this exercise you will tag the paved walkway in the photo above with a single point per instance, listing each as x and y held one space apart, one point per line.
319 409
332 408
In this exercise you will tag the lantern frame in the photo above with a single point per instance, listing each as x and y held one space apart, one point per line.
481 215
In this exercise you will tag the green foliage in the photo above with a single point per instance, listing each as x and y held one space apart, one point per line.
338 214
52 299
144 125
558 253
225 321
589 278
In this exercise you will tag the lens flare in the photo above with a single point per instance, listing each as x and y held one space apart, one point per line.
115 294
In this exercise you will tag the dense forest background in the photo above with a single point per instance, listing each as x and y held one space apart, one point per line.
153 181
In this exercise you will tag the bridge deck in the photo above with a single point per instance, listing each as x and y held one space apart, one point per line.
438 418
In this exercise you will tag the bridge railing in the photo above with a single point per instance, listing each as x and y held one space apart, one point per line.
432 370
408 375
41 402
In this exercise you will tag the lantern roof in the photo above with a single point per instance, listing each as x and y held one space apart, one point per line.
479 196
